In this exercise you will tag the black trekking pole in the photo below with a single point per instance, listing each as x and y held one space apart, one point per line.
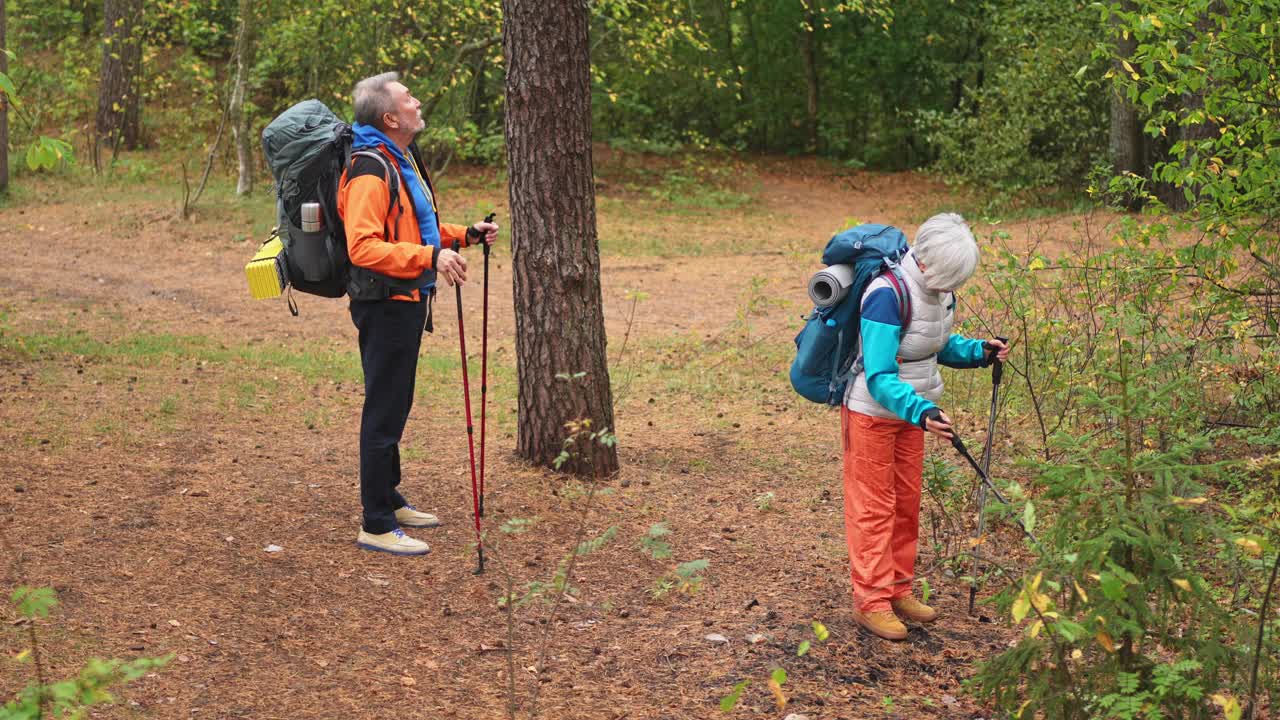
997 372
986 479
484 363
471 446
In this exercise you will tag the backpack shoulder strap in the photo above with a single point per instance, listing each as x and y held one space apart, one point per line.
393 183
894 276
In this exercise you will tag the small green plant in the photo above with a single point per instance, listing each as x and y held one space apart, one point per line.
820 632
685 578
654 543
67 698
777 678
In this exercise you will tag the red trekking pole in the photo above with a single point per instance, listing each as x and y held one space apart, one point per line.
484 364
471 446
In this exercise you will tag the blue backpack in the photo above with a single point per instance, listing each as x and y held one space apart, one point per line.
827 346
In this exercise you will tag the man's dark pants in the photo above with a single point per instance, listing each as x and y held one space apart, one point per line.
390 336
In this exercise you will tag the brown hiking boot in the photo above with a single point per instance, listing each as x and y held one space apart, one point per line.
912 609
882 623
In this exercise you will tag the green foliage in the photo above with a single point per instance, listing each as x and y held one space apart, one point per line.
1124 607
1205 73
654 543
33 602
1034 115
43 153
730 701
67 698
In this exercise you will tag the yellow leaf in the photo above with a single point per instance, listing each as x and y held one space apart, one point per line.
1127 66
1041 601
1182 584
1105 641
1251 546
1083 595
1156 21
1230 706
23 655
1036 264
1035 628
1021 607
1195 500
778 696
1022 708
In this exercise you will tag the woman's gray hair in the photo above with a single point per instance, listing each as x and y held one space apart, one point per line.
372 98
946 246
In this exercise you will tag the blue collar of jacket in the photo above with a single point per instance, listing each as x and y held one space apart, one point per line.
364 136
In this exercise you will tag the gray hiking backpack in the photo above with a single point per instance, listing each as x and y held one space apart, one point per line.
308 147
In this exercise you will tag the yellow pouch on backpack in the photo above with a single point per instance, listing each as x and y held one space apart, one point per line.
266 271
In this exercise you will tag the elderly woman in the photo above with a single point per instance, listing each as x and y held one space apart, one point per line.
887 409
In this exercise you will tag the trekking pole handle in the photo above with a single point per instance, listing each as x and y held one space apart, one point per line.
997 367
487 218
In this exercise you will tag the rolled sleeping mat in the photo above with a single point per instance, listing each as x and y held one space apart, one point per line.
828 286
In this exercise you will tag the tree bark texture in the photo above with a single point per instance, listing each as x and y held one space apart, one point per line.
555 254
245 46
1126 129
4 109
119 102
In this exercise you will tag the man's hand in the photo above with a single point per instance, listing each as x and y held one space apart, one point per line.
1000 346
936 422
486 230
452 267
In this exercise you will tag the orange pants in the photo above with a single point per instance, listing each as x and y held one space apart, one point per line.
883 467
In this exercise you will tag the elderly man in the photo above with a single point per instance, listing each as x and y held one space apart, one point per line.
887 410
397 247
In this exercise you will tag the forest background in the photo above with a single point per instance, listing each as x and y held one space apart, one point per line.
1120 162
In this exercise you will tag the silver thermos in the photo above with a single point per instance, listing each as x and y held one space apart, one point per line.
311 218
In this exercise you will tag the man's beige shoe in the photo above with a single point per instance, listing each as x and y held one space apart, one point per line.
407 516
882 623
394 542
912 609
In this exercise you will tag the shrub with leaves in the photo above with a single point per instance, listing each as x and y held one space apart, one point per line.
1127 611
65 698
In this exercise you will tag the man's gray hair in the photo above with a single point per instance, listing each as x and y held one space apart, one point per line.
946 246
372 98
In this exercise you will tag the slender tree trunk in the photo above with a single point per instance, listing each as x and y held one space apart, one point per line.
245 44
118 98
1126 129
4 109
1175 198
555 253
809 54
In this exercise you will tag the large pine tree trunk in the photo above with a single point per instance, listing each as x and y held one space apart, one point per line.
119 102
555 253
245 45
4 109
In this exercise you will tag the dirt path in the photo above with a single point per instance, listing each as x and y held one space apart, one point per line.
160 430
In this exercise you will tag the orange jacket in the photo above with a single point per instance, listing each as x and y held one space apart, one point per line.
363 203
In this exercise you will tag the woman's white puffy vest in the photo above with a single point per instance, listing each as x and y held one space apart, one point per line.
932 314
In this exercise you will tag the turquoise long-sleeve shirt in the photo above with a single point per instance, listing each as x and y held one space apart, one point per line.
881 334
